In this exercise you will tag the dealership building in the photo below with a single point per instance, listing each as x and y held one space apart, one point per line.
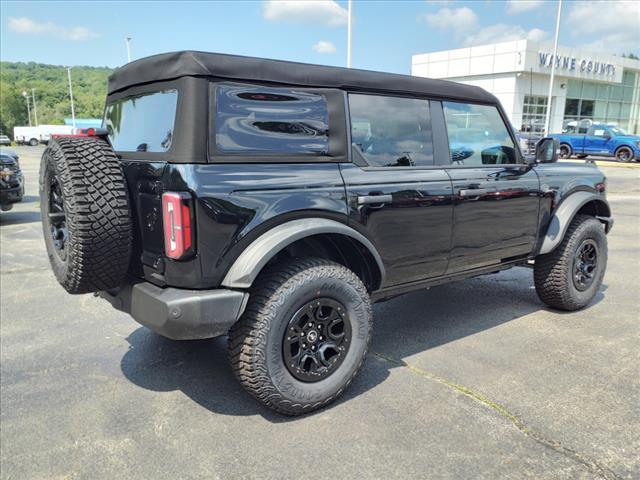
588 86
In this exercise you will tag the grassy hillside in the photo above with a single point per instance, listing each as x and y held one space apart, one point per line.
52 92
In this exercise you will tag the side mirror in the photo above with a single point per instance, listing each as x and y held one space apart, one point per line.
547 150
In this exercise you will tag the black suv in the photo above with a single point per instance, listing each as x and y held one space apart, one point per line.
11 180
275 201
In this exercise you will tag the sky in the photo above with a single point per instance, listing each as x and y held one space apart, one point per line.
385 33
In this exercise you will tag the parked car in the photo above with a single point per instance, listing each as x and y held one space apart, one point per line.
10 152
276 201
601 140
11 181
79 132
4 140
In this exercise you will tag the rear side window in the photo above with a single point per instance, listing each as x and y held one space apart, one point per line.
477 135
267 120
391 131
143 123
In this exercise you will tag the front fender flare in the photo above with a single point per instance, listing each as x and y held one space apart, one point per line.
251 261
564 215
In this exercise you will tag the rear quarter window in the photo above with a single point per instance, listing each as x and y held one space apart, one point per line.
268 120
142 123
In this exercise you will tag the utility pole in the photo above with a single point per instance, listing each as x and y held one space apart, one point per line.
349 34
26 97
73 111
35 111
128 42
547 120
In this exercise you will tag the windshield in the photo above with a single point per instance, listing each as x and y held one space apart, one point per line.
617 131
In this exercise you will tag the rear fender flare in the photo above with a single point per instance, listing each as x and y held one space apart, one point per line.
252 260
564 215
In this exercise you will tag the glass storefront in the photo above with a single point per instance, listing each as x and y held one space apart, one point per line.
589 102
534 111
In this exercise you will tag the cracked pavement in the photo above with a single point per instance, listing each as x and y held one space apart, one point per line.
475 379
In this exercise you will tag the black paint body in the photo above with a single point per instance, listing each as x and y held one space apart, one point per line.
427 234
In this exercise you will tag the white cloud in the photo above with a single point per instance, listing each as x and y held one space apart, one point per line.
615 22
518 6
501 32
458 20
325 12
28 26
464 25
324 47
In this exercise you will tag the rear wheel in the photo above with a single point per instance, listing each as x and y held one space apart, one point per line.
303 336
569 277
33 142
85 214
565 151
624 154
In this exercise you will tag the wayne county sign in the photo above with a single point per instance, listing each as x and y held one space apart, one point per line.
573 64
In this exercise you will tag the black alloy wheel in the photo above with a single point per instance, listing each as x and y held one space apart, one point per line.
565 151
624 154
316 340
57 218
585 262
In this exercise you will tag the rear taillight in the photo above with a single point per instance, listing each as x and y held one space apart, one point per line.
177 218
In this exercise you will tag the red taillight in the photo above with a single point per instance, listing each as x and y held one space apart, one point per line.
176 214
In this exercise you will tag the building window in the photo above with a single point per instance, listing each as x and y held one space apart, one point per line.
593 102
534 112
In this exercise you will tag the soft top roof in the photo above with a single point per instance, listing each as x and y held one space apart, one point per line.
167 66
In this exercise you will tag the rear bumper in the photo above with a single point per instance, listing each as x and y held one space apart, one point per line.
177 313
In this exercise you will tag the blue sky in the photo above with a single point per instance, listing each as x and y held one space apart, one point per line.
385 33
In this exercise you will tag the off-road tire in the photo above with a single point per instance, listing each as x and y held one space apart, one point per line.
255 342
553 272
97 214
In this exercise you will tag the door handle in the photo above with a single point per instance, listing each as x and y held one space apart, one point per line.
473 192
374 199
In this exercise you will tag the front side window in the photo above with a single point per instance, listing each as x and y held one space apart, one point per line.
259 119
391 131
143 123
477 135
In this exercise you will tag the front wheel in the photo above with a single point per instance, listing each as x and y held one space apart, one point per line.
624 154
569 277
565 151
303 336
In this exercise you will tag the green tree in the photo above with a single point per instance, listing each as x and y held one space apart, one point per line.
52 92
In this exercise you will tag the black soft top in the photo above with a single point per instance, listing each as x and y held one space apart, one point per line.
167 66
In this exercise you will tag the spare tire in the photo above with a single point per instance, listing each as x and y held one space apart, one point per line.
86 216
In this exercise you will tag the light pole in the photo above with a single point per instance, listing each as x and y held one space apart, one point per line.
349 34
128 42
35 111
73 111
26 97
547 119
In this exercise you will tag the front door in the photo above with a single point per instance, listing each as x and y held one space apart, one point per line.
496 196
596 141
397 198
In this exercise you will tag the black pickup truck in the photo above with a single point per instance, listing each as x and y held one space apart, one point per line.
275 202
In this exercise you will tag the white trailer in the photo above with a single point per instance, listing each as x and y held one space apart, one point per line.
40 134
26 135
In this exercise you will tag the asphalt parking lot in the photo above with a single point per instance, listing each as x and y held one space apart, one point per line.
475 379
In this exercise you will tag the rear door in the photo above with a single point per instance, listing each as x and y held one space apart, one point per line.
496 194
397 196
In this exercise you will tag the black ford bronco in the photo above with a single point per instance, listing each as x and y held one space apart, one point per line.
275 202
